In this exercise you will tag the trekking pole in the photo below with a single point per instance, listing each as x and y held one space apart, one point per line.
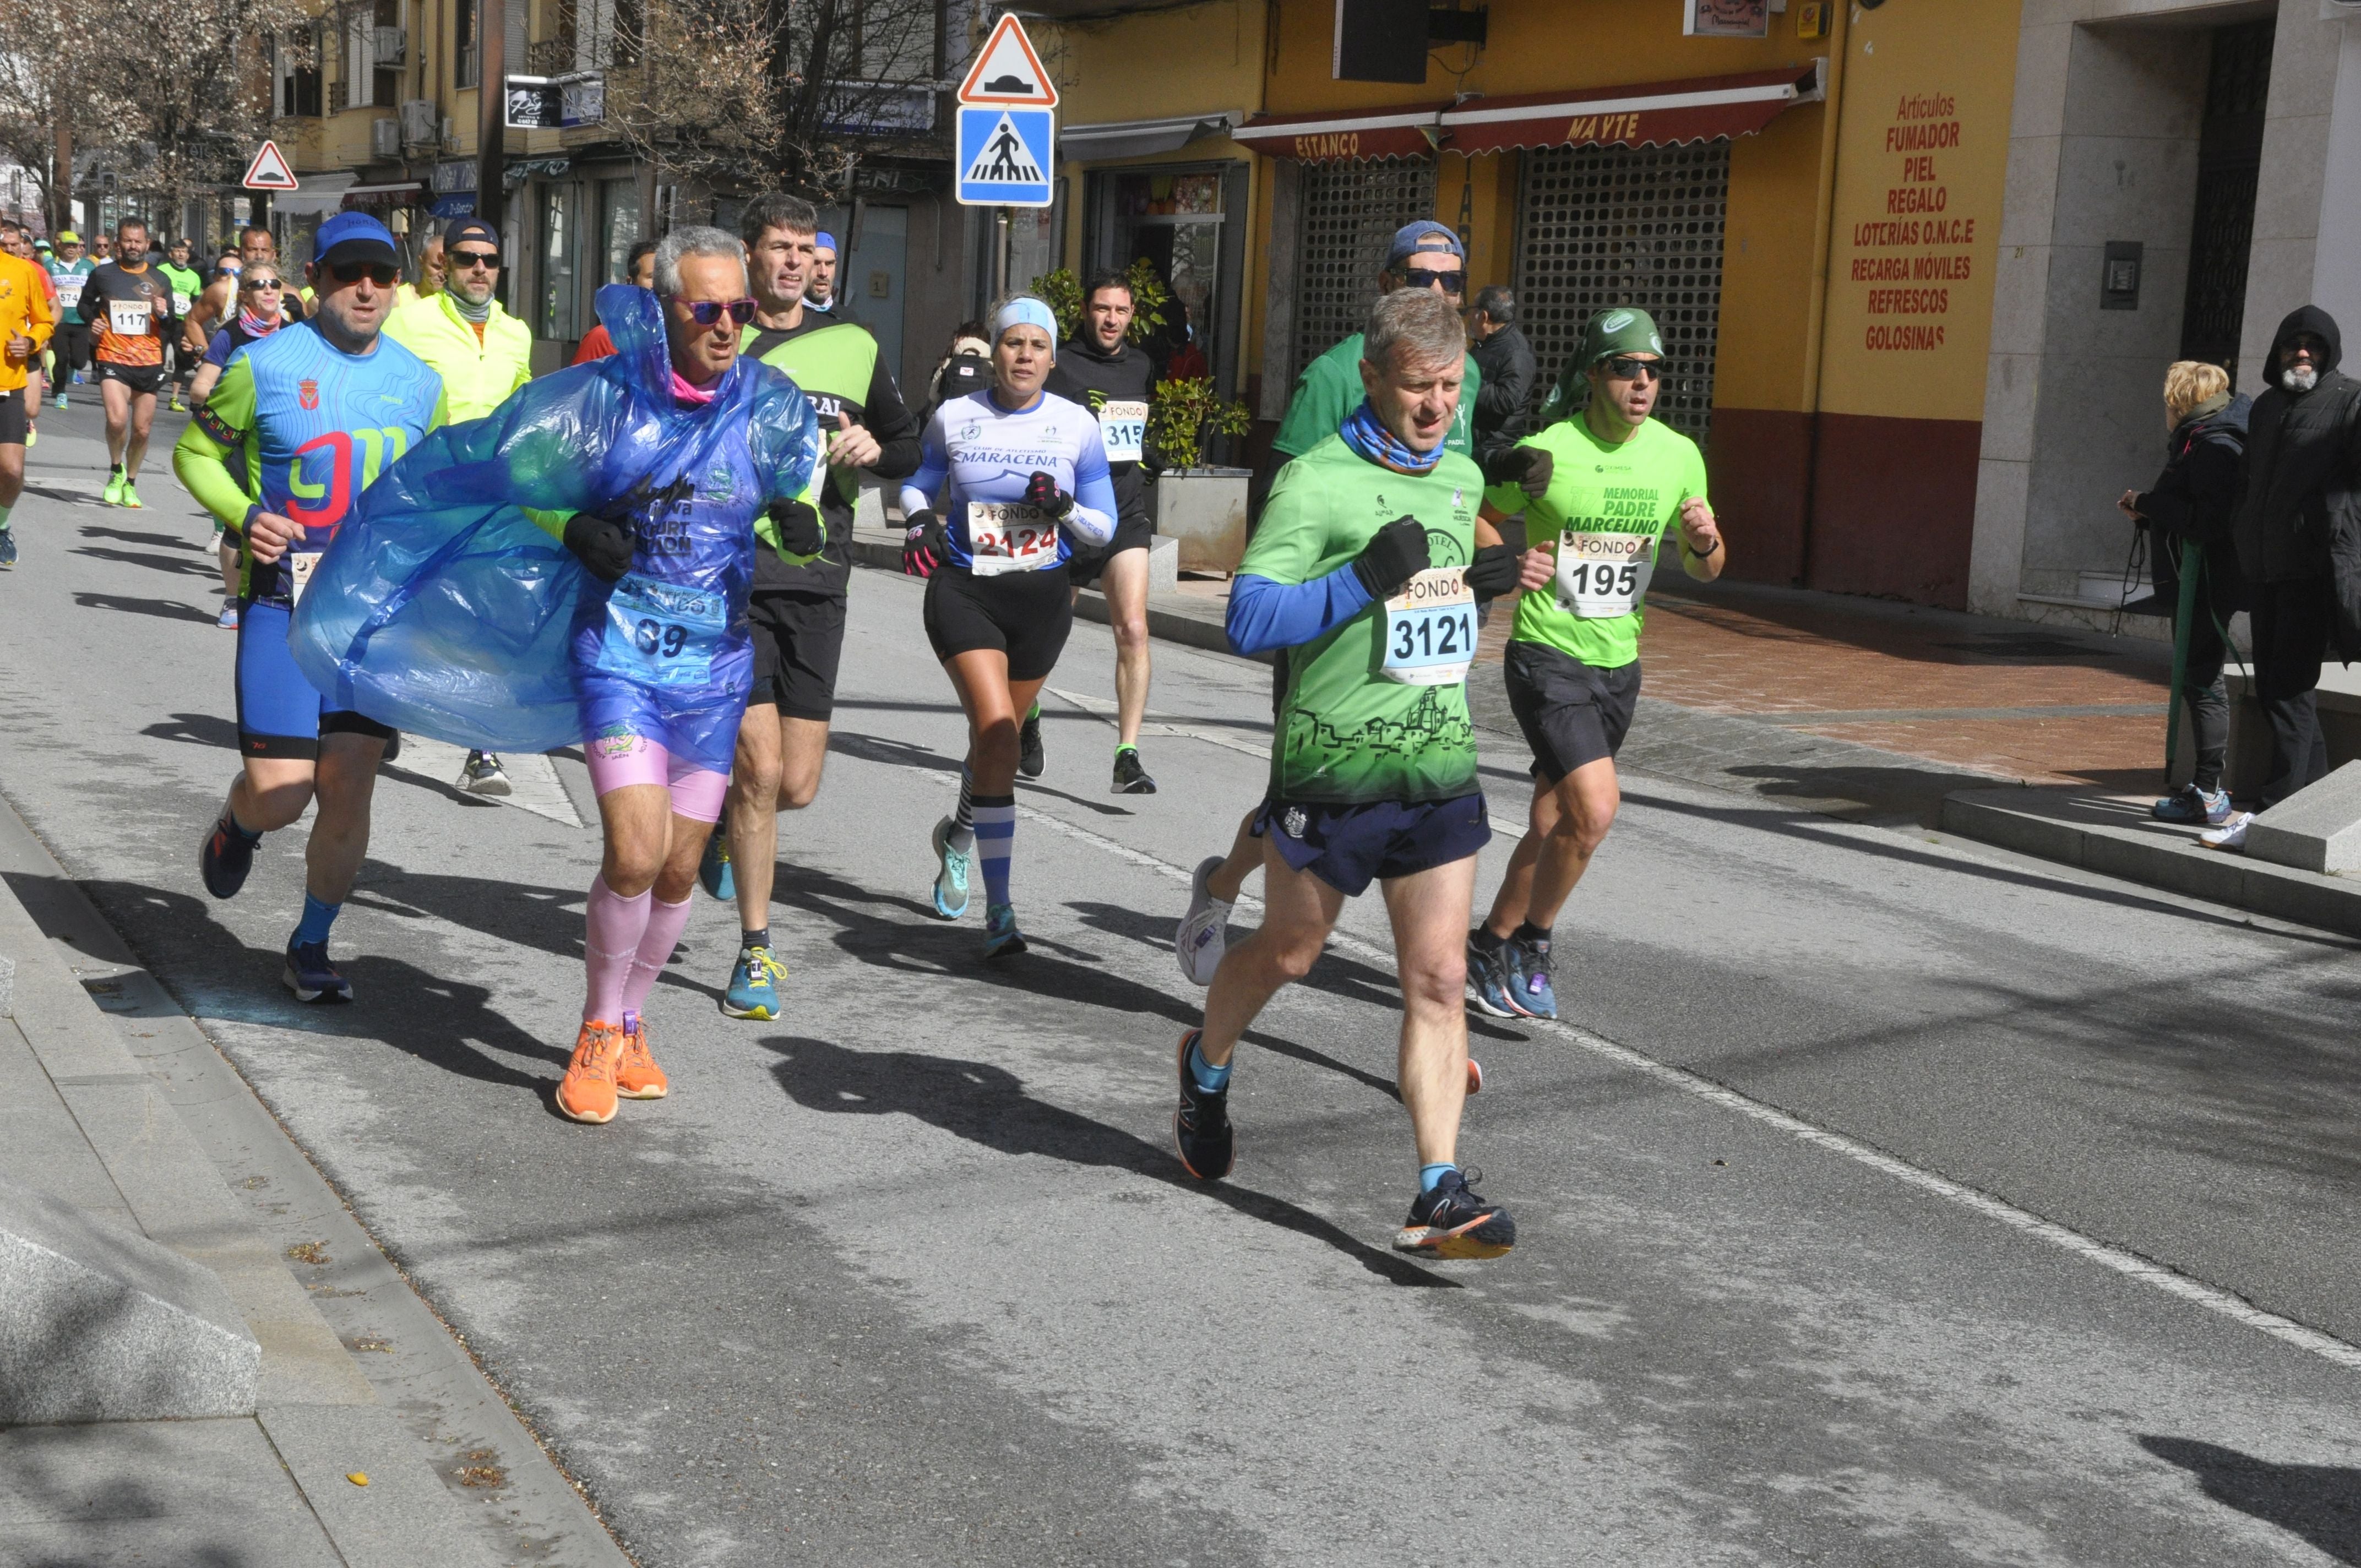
2191 562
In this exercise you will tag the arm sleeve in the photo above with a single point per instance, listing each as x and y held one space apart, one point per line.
890 421
1265 615
201 458
1093 515
926 482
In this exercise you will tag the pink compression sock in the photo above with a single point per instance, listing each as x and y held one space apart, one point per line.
616 925
666 923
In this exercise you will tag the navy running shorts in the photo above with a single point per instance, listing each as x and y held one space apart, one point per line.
1348 846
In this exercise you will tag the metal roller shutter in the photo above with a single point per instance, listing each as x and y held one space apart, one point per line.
1609 225
1349 212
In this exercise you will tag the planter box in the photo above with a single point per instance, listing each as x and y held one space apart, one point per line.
1204 509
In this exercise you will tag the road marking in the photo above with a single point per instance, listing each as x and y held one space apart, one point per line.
2131 1264
1101 708
533 779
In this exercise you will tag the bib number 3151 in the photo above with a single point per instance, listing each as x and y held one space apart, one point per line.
1430 628
1604 574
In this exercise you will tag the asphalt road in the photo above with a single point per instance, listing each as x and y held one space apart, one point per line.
913 1278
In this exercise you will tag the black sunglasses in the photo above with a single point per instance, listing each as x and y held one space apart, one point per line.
258 282
1452 283
476 258
705 312
380 273
1624 367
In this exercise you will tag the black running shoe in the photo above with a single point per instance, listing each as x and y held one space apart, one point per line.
1130 778
311 977
1450 1220
1200 1127
224 858
1031 758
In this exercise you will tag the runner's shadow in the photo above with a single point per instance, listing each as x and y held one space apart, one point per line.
197 729
161 540
2320 1503
179 566
925 758
988 1105
163 610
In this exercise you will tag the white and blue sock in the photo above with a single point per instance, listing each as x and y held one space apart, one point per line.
318 918
995 837
1429 1175
1210 1080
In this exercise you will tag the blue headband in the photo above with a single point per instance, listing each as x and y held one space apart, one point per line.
1025 311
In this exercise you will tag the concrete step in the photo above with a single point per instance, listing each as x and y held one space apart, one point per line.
2318 829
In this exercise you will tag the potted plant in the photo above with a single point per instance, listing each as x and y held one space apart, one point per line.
1204 507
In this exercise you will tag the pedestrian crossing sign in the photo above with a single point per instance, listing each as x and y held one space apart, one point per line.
1004 156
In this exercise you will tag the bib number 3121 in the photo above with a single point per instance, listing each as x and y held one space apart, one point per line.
1430 628
1604 574
1009 536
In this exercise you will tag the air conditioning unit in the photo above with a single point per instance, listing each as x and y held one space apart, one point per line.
388 45
385 138
418 122
450 142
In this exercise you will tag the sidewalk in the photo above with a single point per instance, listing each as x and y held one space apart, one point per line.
372 1438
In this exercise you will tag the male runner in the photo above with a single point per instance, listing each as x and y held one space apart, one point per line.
101 250
70 270
797 612
483 353
1100 368
316 412
186 286
255 243
820 293
26 322
1619 480
433 272
261 295
640 272
1365 567
130 310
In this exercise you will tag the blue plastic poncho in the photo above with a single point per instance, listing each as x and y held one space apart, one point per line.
445 604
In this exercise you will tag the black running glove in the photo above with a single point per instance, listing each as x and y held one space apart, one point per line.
1530 467
603 544
800 531
1493 571
923 544
1043 492
1394 554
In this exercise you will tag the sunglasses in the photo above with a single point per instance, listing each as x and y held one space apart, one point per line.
1624 367
378 272
476 258
260 283
1451 282
705 312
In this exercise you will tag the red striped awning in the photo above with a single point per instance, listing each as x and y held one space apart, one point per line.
1651 114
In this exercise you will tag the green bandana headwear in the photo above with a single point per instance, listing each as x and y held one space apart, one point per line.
1618 329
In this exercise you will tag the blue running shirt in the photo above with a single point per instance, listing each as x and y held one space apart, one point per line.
979 456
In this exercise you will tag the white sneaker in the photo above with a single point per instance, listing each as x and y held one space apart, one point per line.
1204 935
482 774
2231 835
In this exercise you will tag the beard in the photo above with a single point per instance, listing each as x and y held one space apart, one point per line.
2300 378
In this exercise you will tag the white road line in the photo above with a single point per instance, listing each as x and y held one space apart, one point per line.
1101 708
533 784
2157 1275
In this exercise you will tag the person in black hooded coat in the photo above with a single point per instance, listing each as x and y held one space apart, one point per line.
2296 532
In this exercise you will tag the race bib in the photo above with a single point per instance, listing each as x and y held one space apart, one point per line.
1430 628
301 565
179 303
128 318
69 289
1604 574
1009 536
1122 429
662 634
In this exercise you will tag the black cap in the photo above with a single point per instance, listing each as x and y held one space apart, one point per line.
470 228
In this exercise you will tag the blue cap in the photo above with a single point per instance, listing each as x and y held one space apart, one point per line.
1425 235
353 237
824 241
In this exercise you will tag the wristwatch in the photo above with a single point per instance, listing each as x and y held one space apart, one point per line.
1705 555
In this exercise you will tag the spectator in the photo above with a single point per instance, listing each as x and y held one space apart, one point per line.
2190 511
1187 361
2303 447
1498 347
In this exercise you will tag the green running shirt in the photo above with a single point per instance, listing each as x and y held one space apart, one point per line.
1330 390
1633 487
1346 733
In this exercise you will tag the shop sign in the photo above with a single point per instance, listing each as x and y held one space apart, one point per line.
453 175
556 102
1725 18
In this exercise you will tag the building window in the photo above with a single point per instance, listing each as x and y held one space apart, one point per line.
470 58
621 199
297 85
1350 211
1175 221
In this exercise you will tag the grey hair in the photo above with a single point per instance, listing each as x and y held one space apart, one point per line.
694 239
776 211
1418 320
1499 305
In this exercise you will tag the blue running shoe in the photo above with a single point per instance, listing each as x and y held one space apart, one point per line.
754 985
950 879
2193 806
713 871
311 977
1002 939
225 856
1491 980
7 548
1449 1220
1529 978
1201 1134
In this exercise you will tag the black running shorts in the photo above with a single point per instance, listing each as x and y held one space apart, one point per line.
1025 614
1571 713
798 645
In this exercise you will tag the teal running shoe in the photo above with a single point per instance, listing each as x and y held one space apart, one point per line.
951 878
1002 939
713 871
754 985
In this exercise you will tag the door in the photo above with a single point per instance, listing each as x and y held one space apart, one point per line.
872 280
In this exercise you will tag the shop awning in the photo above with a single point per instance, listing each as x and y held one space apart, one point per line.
399 193
1650 114
317 193
1116 139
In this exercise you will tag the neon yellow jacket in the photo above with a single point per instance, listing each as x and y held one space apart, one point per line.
477 377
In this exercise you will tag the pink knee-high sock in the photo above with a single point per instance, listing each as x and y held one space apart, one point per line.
616 925
666 923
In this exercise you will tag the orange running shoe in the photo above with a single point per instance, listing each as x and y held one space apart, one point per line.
639 1077
587 1094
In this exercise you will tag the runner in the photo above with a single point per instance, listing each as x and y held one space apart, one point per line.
639 271
433 272
821 294
483 353
1361 566
26 323
1021 473
1620 479
314 417
101 250
70 270
797 612
185 286
219 301
261 294
1101 369
22 245
129 309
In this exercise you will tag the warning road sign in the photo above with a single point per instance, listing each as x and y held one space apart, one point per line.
268 171
1008 72
1004 156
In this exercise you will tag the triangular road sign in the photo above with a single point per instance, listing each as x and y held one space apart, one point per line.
268 171
1008 72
